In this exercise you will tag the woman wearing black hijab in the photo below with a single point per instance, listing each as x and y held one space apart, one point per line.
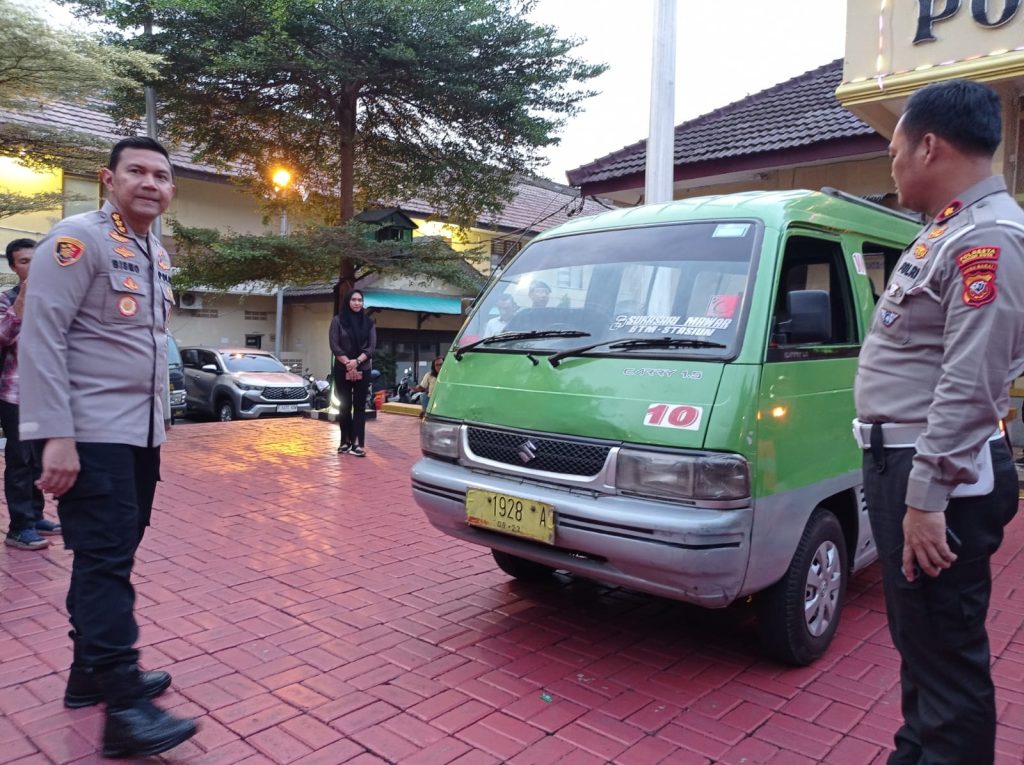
353 339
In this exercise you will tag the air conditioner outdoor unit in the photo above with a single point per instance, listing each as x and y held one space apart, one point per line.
191 301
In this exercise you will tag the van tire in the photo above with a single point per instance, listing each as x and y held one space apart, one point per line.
520 568
799 614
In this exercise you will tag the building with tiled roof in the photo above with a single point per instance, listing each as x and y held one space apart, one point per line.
767 140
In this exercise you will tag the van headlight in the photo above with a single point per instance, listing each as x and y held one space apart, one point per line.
666 475
246 386
440 438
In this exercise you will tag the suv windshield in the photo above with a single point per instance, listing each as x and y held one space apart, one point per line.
686 282
252 362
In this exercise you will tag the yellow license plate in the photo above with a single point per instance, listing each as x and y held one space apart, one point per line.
511 515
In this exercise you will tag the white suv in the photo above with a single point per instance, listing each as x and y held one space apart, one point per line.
241 383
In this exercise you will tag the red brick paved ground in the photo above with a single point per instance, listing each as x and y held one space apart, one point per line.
310 615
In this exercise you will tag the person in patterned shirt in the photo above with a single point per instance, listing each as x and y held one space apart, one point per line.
28 529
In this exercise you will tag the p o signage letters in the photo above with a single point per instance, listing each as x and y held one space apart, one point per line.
987 13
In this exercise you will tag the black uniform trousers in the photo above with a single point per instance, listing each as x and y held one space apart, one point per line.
24 501
103 517
352 395
938 624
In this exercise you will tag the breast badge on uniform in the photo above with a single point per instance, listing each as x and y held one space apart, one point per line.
67 250
920 250
128 306
894 290
978 269
119 223
130 284
117 237
164 264
124 252
888 317
935 233
950 210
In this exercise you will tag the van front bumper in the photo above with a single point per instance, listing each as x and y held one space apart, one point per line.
672 550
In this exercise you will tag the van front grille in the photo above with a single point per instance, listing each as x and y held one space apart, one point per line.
552 455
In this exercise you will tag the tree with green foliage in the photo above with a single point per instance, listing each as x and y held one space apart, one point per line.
445 101
39 63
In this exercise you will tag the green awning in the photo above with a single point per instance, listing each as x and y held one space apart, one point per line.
405 301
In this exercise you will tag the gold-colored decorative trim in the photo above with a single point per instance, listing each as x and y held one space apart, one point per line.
988 69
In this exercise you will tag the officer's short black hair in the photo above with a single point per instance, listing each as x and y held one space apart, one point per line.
965 113
135 142
18 244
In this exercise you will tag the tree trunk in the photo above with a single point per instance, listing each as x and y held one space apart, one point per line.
347 152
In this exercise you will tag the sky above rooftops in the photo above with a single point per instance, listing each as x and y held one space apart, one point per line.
725 50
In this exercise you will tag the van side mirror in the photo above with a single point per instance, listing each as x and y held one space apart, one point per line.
209 368
810 317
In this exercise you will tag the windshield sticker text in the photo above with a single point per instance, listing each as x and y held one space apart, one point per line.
681 417
694 326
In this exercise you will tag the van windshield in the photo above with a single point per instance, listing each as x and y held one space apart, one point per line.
173 356
687 281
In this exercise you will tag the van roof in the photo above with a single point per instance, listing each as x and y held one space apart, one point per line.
774 208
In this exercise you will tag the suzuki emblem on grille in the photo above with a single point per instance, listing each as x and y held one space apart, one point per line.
528 452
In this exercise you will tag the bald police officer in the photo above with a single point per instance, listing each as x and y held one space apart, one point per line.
92 377
946 341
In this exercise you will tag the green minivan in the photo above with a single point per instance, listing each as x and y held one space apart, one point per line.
661 398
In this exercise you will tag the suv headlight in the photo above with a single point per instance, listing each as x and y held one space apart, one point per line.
440 438
683 476
246 386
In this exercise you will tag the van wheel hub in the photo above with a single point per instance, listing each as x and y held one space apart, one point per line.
824 583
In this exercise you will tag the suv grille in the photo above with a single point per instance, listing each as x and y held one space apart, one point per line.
283 394
552 455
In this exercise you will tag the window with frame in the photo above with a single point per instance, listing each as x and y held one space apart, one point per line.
811 263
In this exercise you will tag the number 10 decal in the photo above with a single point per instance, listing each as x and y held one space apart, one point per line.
674 416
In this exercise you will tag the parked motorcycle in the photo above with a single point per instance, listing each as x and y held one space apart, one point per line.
403 391
319 390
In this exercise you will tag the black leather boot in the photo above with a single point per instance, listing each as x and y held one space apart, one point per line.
134 726
84 690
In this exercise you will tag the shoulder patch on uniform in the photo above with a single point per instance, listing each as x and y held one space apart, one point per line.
950 210
67 250
119 223
920 250
978 268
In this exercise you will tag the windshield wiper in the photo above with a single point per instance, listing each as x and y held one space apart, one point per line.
647 342
463 349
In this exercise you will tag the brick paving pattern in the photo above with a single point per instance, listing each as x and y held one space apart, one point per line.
310 615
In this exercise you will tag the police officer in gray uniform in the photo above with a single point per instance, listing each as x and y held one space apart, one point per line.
932 386
93 369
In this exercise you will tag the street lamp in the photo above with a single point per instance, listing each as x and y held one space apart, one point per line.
282 179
